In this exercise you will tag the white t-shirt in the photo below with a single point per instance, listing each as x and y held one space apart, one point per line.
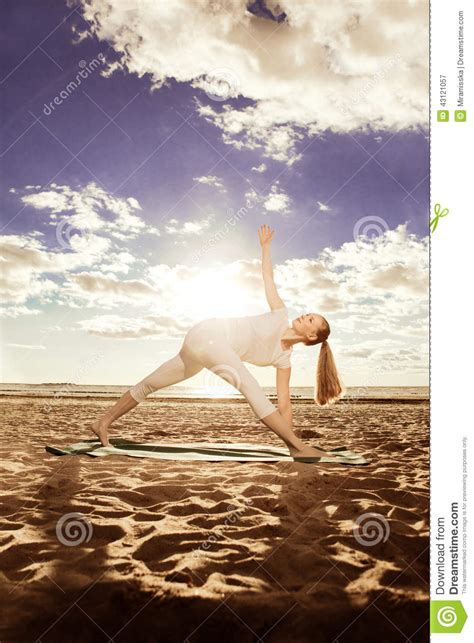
256 339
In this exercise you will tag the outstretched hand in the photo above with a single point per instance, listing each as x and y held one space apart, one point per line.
265 234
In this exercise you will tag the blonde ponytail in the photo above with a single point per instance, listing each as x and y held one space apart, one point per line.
328 387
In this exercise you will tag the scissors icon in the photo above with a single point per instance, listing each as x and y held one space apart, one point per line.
438 214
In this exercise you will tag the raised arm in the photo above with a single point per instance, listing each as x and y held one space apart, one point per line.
274 301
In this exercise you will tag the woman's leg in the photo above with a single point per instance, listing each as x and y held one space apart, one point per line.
224 361
173 371
270 416
101 426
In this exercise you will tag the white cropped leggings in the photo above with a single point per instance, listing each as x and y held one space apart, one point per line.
206 345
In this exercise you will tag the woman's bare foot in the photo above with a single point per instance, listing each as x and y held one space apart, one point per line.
101 431
306 452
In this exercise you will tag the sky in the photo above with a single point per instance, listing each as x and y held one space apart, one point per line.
142 147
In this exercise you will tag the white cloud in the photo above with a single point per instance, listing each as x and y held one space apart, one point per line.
277 200
393 248
253 129
118 327
377 285
400 276
211 180
118 262
361 353
251 198
329 65
323 207
259 168
24 262
17 311
31 347
95 288
385 356
185 228
32 271
84 210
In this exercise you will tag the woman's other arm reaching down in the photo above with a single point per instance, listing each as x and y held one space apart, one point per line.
283 393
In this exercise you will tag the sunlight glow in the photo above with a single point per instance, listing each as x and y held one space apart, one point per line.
210 293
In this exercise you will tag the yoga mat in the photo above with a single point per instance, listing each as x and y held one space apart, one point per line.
203 451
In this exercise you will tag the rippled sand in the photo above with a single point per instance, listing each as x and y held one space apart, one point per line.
188 551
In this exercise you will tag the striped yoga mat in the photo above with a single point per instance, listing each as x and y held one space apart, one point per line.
204 451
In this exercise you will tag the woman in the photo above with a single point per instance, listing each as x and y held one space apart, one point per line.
222 345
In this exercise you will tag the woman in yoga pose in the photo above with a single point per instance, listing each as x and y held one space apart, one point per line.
223 344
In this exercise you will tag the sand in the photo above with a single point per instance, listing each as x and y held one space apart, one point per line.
176 551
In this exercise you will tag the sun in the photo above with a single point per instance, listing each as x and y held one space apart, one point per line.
214 294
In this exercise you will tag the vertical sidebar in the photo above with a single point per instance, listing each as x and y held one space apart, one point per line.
452 319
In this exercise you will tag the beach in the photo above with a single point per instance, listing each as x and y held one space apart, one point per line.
198 551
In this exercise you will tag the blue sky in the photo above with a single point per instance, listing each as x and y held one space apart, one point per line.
131 198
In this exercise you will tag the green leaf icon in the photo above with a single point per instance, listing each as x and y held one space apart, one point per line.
447 617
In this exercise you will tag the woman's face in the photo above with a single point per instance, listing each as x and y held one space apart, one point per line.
308 325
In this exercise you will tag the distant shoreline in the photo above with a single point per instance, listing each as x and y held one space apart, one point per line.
203 395
210 400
